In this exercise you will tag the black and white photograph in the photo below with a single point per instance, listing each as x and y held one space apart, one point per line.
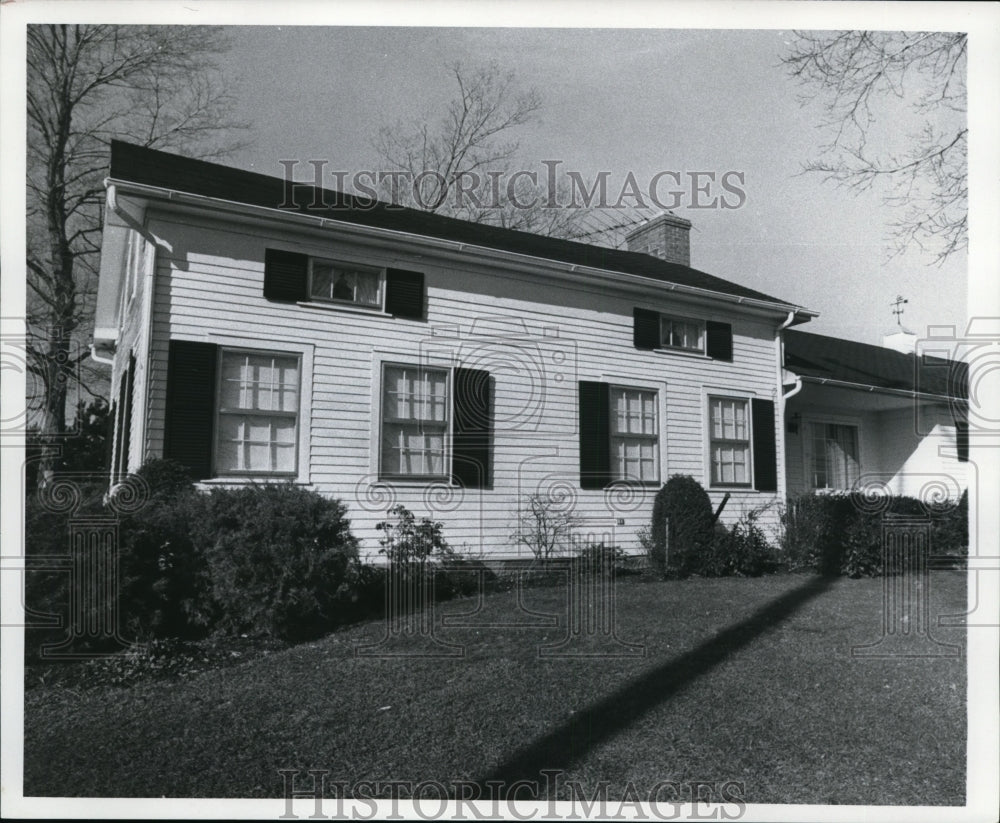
456 411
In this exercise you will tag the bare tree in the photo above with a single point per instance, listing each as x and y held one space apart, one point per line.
465 165
872 85
156 86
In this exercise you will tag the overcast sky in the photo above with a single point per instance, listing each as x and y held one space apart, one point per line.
640 101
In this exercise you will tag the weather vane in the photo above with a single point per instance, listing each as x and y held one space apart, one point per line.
897 309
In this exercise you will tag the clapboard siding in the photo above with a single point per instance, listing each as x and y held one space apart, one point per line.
132 340
210 287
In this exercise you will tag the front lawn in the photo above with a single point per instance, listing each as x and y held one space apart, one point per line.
748 680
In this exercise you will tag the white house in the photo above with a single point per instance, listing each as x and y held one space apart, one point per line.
261 330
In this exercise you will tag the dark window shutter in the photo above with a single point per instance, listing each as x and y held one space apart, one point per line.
286 275
765 454
110 437
190 418
404 293
127 411
962 440
473 429
645 329
720 340
595 435
120 423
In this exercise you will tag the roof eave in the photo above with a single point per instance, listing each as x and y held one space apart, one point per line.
801 314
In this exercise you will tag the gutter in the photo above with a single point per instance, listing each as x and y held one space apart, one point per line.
450 245
867 387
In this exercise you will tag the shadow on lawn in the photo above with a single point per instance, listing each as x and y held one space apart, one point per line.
559 749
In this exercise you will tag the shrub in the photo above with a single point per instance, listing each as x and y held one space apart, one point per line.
682 525
742 550
832 534
404 540
595 557
166 587
545 525
279 558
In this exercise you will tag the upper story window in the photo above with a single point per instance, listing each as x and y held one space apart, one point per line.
653 330
682 333
345 283
257 413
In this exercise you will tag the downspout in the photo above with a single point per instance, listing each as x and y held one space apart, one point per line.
794 391
798 380
98 359
783 475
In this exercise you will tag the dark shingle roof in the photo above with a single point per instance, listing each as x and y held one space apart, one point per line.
814 355
155 168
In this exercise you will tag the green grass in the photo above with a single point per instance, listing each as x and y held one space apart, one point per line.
748 680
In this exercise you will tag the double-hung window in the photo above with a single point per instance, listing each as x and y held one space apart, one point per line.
729 441
258 407
831 455
682 333
415 420
634 435
334 282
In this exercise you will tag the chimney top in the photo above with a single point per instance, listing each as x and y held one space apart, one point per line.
666 236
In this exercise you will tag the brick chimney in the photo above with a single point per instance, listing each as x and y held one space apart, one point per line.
666 236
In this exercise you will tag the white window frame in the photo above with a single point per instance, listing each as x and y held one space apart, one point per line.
808 453
676 318
350 267
305 353
380 365
217 471
616 474
710 440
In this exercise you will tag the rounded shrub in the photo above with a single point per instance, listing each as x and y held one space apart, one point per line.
682 527
279 557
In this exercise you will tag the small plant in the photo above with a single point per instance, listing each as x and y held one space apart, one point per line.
743 550
598 558
404 540
545 526
645 538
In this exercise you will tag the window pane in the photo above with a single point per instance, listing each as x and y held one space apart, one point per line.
367 288
262 382
332 281
322 280
833 460
408 450
682 334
